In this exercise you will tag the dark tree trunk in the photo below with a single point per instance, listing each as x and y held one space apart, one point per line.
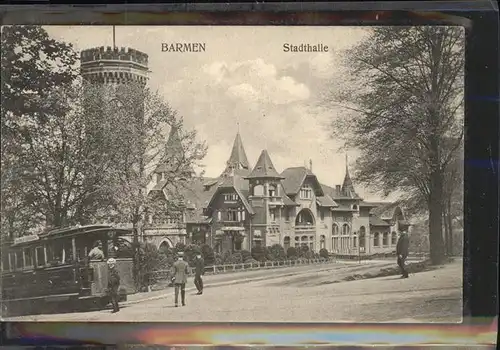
449 220
436 217
447 247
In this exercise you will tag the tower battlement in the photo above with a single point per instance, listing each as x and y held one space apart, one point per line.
115 54
114 65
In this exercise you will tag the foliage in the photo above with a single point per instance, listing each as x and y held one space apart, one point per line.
291 253
33 66
246 255
303 251
276 253
323 253
144 118
260 253
148 259
208 254
403 112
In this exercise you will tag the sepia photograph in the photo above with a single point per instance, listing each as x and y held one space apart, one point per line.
232 173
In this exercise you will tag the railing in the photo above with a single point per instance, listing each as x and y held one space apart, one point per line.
226 268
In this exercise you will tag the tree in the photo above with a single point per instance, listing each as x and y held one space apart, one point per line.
33 65
140 120
404 97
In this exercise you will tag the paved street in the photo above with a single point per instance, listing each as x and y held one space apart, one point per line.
306 293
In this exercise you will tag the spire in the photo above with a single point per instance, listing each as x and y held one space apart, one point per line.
264 168
173 147
347 186
238 158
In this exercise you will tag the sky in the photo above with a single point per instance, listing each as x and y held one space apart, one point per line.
245 81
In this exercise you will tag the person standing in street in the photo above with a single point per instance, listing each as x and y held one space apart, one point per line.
179 274
199 271
402 252
113 284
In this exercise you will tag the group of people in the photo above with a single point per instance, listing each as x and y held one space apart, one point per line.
179 273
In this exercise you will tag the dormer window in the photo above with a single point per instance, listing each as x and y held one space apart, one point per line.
354 207
230 197
305 192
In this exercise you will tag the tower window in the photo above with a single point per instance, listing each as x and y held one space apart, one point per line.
305 192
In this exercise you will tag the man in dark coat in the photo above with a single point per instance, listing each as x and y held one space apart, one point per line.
113 284
179 273
402 252
199 271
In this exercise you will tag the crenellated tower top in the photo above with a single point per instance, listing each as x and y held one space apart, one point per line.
114 65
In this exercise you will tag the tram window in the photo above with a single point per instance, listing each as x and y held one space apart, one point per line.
5 262
13 261
40 256
28 257
19 260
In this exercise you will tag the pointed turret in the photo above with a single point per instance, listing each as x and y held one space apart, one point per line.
264 169
238 158
347 186
172 148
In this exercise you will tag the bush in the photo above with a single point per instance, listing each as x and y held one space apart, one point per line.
148 259
276 253
302 251
323 253
236 258
208 254
291 253
246 255
260 253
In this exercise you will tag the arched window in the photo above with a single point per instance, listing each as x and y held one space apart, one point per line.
385 241
322 242
258 190
376 239
354 242
335 230
354 207
362 235
286 243
297 241
345 229
304 218
303 241
394 238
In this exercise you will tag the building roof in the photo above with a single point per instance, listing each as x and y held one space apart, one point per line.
264 168
173 147
385 210
294 177
326 201
196 199
238 158
243 194
376 221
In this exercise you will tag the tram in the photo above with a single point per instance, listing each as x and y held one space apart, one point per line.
53 267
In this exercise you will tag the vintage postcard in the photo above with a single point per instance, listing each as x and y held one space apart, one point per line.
232 173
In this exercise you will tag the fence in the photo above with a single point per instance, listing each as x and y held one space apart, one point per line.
227 268
218 269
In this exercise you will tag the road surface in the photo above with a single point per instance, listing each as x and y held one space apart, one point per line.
302 294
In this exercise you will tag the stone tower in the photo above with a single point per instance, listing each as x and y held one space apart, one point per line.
265 194
114 65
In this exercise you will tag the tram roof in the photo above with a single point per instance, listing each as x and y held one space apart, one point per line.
79 230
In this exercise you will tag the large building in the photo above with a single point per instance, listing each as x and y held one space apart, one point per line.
249 206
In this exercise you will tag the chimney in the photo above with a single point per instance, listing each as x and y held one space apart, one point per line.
337 188
310 165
